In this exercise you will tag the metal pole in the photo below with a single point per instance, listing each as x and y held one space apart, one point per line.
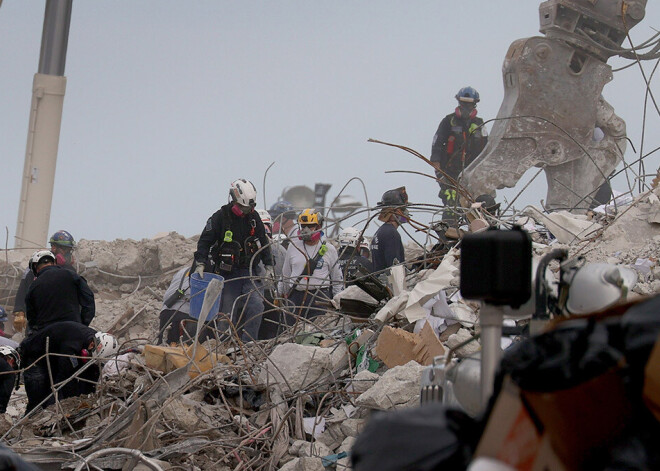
490 318
48 91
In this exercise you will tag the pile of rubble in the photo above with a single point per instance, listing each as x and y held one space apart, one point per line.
295 402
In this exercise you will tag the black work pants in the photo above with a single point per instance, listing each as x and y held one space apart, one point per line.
170 320
308 303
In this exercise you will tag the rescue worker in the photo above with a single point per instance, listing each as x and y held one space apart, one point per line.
240 236
284 215
310 274
270 321
72 339
10 362
460 137
350 258
176 306
386 245
277 249
3 319
58 294
62 245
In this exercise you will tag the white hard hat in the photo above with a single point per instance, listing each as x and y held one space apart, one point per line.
596 286
8 351
265 216
279 237
38 257
243 192
349 237
106 345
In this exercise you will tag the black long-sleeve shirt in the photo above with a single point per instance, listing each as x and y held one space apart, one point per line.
386 246
58 295
66 338
242 228
24 285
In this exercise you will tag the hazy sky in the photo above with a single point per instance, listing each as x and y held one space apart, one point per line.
168 101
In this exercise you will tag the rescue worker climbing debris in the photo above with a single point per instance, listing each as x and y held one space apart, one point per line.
62 245
386 245
311 274
460 137
242 243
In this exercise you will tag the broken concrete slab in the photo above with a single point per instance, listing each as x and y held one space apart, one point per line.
304 464
362 381
302 448
352 427
462 336
398 388
296 367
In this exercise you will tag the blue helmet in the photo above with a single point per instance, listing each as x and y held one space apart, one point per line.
63 239
282 208
3 315
468 94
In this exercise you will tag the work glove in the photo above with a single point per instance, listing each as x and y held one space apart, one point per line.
270 272
199 269
20 322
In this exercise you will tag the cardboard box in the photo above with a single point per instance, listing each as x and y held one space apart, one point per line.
397 347
167 359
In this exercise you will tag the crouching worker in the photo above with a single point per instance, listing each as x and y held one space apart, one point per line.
176 307
70 345
10 361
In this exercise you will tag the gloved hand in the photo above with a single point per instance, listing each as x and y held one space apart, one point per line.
199 269
270 272
20 322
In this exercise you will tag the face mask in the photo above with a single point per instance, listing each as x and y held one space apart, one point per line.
402 219
309 234
240 211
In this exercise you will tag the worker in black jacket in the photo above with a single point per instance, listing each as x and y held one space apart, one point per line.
240 243
80 343
386 245
62 245
10 361
57 294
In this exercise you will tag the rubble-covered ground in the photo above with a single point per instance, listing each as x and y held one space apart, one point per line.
295 402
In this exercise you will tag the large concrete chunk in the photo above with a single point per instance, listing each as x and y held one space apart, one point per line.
304 464
295 367
398 388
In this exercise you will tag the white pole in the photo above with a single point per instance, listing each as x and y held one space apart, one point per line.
490 319
48 90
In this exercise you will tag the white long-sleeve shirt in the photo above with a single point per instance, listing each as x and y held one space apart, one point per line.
327 273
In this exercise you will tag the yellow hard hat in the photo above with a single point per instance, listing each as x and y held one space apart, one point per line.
310 216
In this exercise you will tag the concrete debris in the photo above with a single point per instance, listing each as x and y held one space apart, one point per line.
304 464
361 382
398 388
295 367
278 404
